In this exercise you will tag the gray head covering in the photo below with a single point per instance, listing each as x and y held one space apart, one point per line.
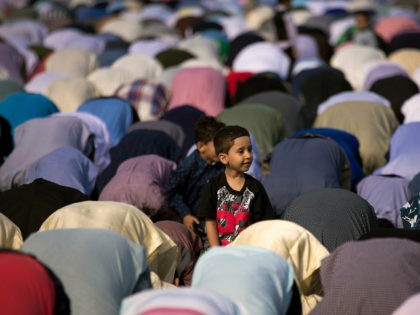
334 216
98 267
358 278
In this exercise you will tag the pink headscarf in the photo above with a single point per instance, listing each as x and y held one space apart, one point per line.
203 88
390 26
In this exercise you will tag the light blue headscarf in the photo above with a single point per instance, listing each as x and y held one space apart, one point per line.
98 267
258 278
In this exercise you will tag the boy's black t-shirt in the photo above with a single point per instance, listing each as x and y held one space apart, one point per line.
234 210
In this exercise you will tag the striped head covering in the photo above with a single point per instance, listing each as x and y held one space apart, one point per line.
148 98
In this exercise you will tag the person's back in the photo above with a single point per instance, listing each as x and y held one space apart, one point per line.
192 174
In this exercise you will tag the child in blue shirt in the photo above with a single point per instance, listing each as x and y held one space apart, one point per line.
193 172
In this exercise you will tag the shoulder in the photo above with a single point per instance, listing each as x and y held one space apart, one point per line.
252 182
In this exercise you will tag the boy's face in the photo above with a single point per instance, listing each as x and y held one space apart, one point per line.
240 155
362 21
207 151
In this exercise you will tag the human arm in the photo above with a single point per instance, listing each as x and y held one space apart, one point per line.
189 221
212 234
177 187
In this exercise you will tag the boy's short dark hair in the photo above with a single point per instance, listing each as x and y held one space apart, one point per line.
223 139
205 128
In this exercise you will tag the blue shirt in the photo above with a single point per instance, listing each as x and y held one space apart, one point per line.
187 181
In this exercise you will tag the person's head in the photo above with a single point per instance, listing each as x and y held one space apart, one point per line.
362 19
204 130
233 147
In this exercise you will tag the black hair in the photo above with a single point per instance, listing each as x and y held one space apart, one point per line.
223 139
205 128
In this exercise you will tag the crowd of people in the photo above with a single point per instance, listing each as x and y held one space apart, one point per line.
214 157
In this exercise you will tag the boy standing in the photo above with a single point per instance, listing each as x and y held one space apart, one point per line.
233 200
193 173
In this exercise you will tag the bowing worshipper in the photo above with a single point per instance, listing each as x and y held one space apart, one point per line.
134 144
141 67
263 122
69 93
403 156
239 42
404 40
386 194
350 145
101 137
20 107
173 56
28 286
259 279
79 62
180 301
203 88
411 109
98 268
370 121
12 63
172 129
38 137
287 105
389 26
262 57
302 164
351 59
184 116
259 83
397 89
29 205
128 221
116 113
149 99
10 234
356 277
65 166
381 69
408 58
334 216
316 85
298 246
190 248
141 181
39 82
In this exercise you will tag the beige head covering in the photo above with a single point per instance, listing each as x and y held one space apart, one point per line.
352 58
408 58
10 235
72 61
128 29
69 94
107 80
139 66
298 246
126 220
201 47
371 122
